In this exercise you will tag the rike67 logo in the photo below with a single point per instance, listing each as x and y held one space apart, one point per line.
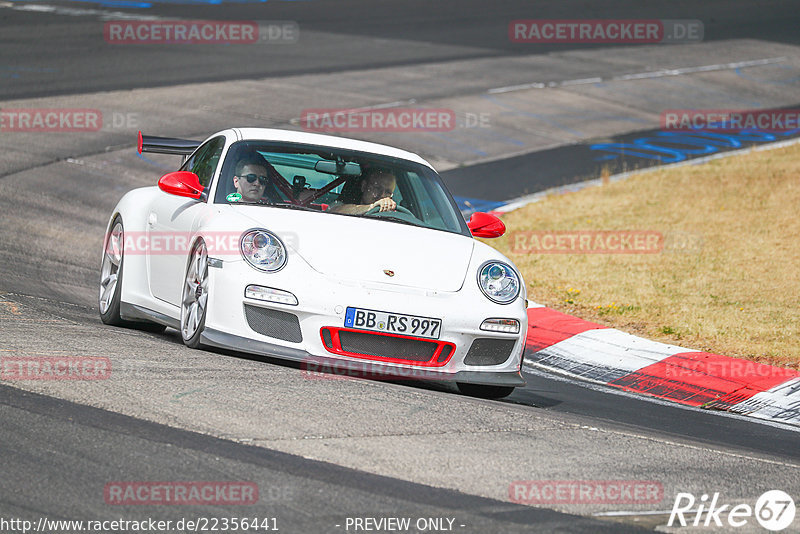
774 510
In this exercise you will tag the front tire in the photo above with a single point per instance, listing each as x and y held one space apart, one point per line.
195 296
485 392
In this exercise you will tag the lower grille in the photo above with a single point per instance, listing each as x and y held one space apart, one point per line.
489 351
386 346
273 323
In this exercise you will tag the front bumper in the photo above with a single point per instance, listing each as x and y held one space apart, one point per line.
355 368
322 302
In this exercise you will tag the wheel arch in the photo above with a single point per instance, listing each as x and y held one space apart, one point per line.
132 209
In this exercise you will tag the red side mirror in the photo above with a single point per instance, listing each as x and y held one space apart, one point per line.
181 183
486 225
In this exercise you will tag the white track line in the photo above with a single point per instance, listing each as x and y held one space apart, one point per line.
626 513
78 12
639 75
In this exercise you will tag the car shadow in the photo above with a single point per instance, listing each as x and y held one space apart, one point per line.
173 336
530 395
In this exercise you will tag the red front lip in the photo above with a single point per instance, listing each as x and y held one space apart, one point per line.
335 347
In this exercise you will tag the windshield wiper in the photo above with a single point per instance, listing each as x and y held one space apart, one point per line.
288 206
397 219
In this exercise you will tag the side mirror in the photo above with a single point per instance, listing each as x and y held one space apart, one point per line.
486 225
182 184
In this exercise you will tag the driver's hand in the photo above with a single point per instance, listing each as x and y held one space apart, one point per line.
385 204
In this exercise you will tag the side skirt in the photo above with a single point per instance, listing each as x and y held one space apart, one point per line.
132 312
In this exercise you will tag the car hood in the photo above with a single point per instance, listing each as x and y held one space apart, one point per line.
369 250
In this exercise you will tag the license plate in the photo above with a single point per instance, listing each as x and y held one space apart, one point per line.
393 323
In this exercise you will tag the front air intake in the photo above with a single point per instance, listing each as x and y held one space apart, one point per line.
489 351
273 323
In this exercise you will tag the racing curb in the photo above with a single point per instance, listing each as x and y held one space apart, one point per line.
568 345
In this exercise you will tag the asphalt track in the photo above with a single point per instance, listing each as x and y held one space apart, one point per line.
66 483
37 44
319 450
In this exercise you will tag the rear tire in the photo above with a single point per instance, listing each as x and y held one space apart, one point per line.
110 297
111 275
485 392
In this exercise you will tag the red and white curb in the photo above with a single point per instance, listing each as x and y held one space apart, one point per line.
589 351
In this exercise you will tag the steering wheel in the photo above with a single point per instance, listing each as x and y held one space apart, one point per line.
398 207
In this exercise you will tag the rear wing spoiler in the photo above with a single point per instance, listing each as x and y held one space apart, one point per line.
166 145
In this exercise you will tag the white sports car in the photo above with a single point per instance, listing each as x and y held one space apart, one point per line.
337 253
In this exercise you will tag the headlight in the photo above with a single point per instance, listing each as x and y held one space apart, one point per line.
499 282
263 250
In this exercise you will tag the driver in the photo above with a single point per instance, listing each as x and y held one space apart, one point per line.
377 188
250 178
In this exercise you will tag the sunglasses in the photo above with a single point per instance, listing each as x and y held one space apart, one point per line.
253 177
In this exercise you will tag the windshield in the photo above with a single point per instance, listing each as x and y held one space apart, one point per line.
337 182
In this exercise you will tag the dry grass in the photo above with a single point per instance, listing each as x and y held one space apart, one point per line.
739 295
